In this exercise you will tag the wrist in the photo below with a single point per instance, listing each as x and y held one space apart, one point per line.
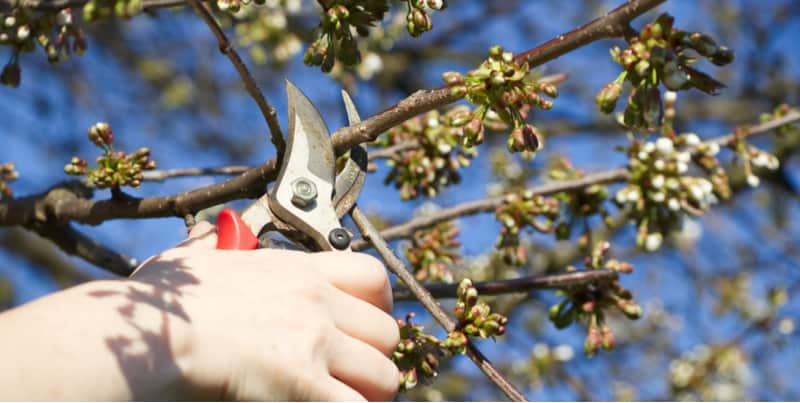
151 338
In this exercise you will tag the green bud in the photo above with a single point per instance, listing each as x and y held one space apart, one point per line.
607 98
722 56
703 44
458 91
453 78
496 52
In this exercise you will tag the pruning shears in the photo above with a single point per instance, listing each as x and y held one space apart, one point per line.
308 199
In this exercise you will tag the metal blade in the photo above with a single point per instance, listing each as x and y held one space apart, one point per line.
308 164
350 181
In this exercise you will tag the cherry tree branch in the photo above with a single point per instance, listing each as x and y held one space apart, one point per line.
522 284
611 25
164 174
397 267
269 113
408 228
252 182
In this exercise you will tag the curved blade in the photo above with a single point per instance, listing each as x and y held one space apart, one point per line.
350 181
309 156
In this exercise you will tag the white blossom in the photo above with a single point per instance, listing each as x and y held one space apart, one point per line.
633 195
660 165
692 140
706 186
658 181
563 352
653 241
670 97
371 65
541 351
673 184
696 192
760 160
621 196
664 146
773 163
23 32
673 204
712 150
753 180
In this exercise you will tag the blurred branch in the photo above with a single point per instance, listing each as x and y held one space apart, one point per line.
369 232
74 242
269 113
522 284
408 228
54 5
42 254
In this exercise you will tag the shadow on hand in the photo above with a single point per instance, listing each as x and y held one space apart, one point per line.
149 352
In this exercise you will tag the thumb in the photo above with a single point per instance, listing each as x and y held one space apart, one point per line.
202 235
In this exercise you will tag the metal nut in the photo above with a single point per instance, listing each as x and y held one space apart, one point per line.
304 192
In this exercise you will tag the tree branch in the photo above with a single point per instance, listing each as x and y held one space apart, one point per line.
164 174
397 267
76 243
55 5
612 24
522 284
253 182
408 228
269 113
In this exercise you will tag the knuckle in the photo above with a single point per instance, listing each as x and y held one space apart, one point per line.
315 291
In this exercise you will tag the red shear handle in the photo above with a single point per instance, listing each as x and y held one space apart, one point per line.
233 233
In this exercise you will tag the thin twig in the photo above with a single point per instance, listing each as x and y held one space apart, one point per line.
397 267
522 284
164 174
408 228
269 113
394 150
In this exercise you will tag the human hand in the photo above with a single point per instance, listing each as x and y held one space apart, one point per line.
279 325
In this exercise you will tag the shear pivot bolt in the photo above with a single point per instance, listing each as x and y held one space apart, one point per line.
339 238
303 192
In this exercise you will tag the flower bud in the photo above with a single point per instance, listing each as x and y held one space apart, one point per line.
607 98
437 4
524 139
722 56
607 338
453 78
496 52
